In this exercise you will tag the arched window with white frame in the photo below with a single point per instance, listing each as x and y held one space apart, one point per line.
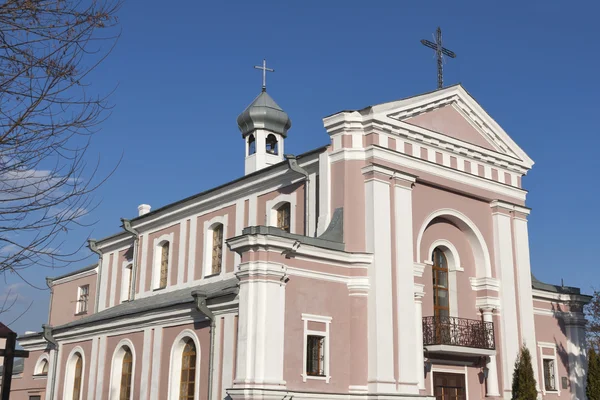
445 254
162 261
74 376
123 366
272 145
215 254
281 212
184 369
251 144
41 366
126 281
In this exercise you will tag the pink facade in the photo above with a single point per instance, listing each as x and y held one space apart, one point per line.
351 310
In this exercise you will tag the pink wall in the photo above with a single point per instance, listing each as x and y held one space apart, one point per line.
552 330
450 122
86 346
64 300
125 257
26 385
348 191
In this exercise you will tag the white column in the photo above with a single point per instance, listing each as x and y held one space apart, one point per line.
408 375
157 364
575 327
525 300
146 363
492 378
419 294
503 252
101 363
379 304
261 325
93 369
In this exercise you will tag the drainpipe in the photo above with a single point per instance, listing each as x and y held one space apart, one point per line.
126 224
293 165
200 298
47 334
93 246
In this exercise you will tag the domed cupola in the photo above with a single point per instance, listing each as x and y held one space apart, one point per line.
264 113
264 126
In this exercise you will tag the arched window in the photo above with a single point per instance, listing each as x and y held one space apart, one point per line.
217 249
272 144
441 304
126 283
164 265
251 145
41 368
187 381
283 217
126 372
77 377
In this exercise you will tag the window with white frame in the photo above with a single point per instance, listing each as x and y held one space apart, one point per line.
185 367
121 379
83 295
126 282
316 347
41 367
74 375
162 261
281 212
215 253
217 249
550 384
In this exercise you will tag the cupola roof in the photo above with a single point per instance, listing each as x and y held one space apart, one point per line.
264 113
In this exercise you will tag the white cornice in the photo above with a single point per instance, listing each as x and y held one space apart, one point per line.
75 276
485 283
560 297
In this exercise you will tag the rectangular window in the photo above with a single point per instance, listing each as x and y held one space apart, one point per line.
549 374
83 294
315 355
35 398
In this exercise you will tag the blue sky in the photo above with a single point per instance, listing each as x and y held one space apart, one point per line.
183 74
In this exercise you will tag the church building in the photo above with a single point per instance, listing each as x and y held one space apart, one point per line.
391 263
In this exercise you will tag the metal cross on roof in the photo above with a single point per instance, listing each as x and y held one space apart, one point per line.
264 71
440 51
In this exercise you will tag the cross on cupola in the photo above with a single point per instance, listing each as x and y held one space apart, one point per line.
440 51
264 73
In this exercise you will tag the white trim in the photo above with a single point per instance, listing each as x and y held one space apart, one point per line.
192 249
274 204
116 370
100 366
475 238
239 226
450 371
70 371
126 277
75 276
208 244
93 365
175 362
182 249
454 259
113 279
78 309
157 256
326 344
541 347
144 264
38 366
145 375
157 346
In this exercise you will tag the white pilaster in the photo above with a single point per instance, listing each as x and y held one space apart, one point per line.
146 351
525 300
503 252
492 378
261 325
576 349
156 363
93 369
101 363
380 317
181 257
405 319
419 294
324 192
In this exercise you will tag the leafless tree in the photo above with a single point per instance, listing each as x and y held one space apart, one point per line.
48 48
592 313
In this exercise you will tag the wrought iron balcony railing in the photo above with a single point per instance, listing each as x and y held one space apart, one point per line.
458 332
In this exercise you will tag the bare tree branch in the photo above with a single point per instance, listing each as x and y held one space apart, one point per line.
48 48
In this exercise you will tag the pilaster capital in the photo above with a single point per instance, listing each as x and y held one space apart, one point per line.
263 271
358 286
487 304
381 172
419 292
506 208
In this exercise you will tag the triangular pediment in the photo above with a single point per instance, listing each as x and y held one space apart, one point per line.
453 113
449 121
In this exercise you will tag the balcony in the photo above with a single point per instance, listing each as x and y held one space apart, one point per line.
458 336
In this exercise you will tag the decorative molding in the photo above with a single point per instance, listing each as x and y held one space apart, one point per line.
485 283
419 269
306 318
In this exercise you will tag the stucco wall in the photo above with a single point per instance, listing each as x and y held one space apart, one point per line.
64 300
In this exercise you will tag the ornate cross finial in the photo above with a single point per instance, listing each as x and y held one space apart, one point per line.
264 72
440 51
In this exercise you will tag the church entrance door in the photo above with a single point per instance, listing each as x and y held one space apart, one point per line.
449 386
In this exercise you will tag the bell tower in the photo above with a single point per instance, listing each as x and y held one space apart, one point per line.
264 127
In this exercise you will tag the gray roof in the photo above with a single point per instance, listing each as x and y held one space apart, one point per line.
312 241
537 284
264 113
176 297
18 367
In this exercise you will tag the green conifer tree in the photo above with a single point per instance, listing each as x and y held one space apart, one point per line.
523 387
593 376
